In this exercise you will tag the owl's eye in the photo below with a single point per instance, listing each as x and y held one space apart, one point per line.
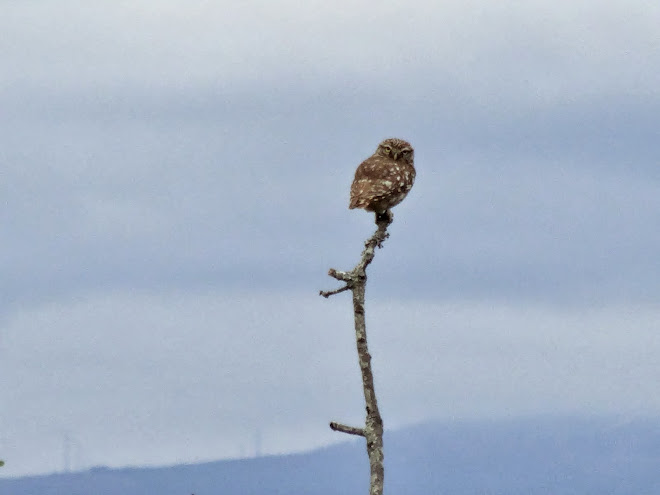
387 148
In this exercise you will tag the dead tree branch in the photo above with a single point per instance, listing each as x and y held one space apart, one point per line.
351 430
355 281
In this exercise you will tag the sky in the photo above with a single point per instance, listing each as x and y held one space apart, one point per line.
174 179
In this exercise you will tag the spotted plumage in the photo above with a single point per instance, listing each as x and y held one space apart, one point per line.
384 179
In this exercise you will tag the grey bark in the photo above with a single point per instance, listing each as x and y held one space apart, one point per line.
356 281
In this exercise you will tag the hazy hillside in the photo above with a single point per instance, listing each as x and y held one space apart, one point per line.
541 456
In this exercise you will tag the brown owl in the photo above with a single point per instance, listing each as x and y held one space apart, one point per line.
384 179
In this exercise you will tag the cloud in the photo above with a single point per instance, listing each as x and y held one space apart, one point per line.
537 50
258 199
141 377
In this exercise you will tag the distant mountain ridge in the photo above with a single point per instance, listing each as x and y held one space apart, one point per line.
557 456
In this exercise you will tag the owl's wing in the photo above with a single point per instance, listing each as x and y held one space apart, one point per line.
374 168
376 179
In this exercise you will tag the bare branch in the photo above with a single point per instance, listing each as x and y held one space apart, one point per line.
343 276
351 430
329 293
356 281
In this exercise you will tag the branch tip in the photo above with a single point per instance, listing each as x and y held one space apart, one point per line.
328 293
351 430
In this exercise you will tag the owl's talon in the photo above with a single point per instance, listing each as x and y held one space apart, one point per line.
386 216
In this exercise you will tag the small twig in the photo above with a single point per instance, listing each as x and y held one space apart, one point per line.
343 276
328 293
351 430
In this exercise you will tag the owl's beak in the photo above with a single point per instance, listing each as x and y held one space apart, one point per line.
396 155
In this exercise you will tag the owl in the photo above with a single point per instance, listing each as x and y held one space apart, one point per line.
384 179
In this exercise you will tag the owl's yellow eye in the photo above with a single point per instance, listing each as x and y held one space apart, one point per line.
387 148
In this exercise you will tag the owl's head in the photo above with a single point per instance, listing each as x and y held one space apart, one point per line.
397 149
